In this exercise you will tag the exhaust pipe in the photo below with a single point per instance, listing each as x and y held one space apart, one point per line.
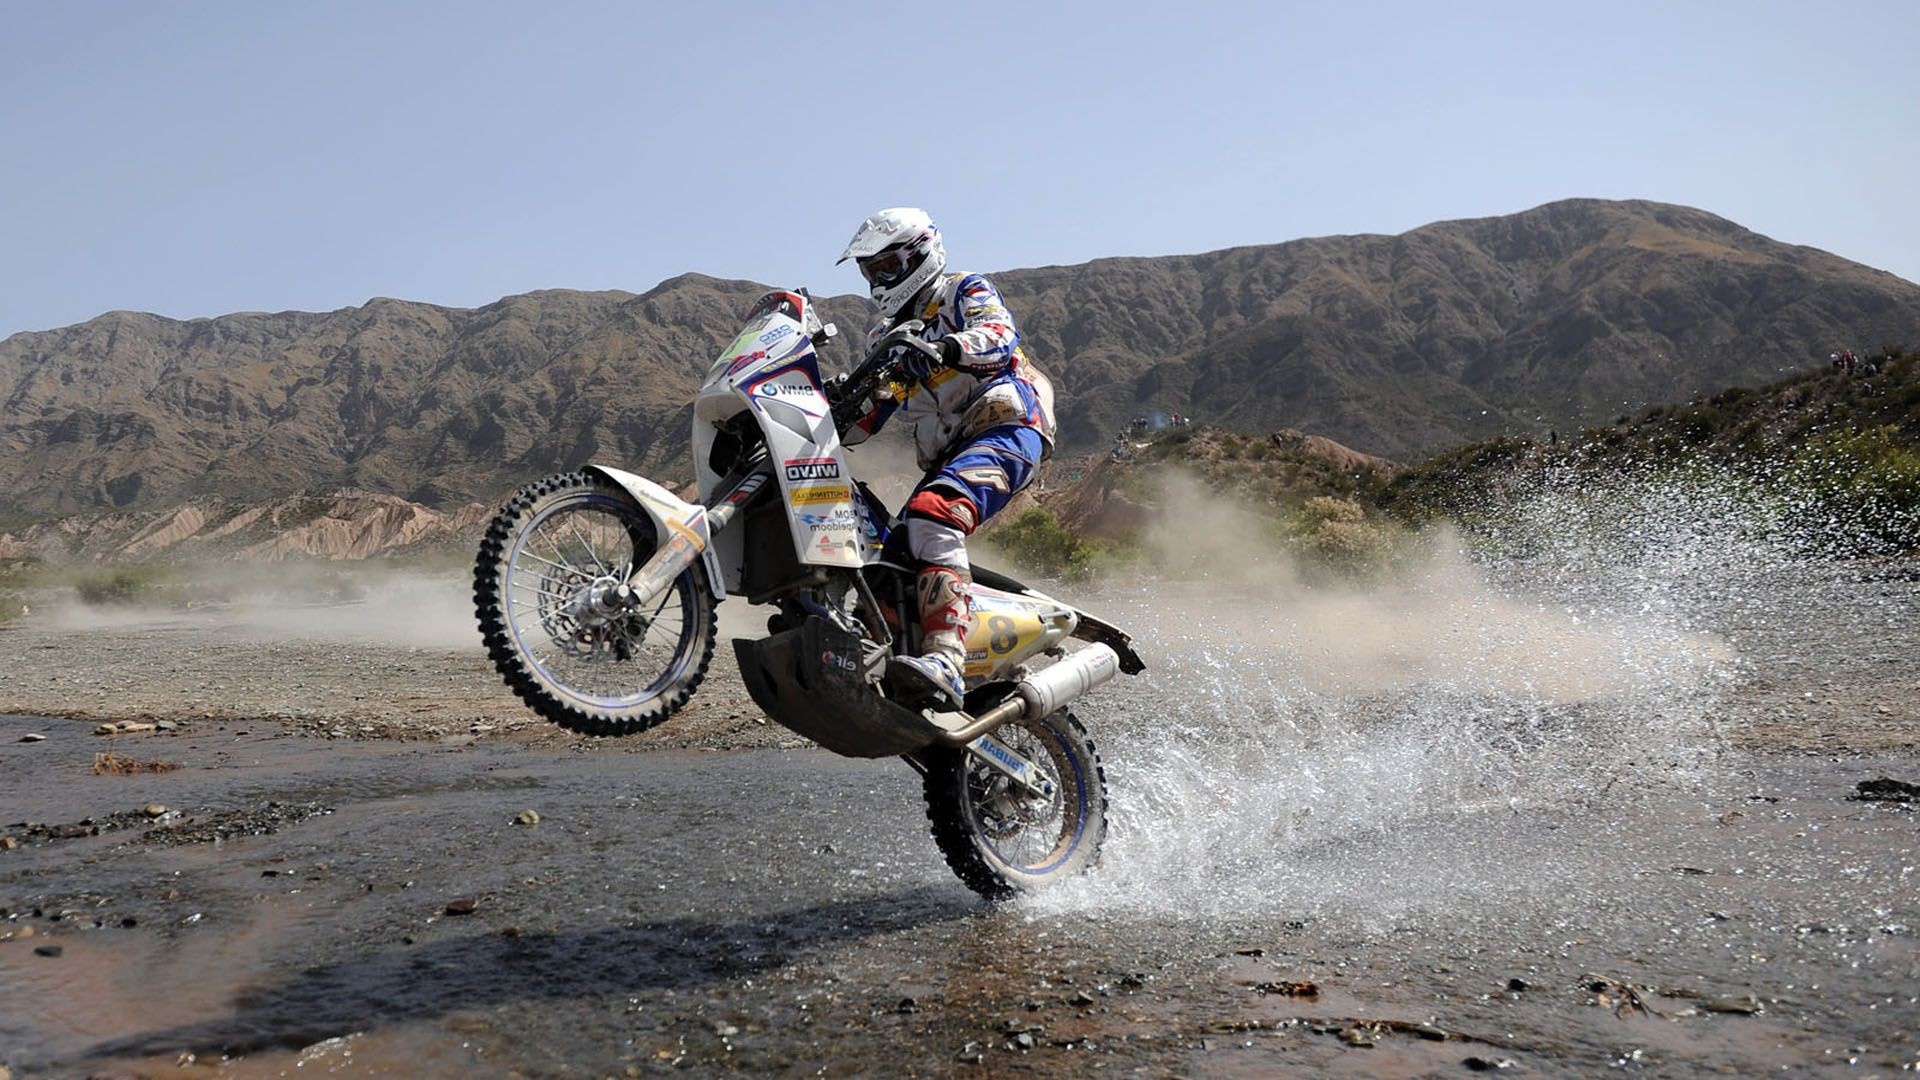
1044 692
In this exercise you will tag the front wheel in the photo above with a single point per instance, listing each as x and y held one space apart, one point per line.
1001 841
548 560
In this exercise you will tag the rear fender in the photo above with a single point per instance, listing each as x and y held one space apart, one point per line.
1088 628
670 515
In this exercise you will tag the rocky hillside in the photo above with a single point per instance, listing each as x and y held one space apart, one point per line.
1829 460
1400 345
1561 316
344 525
438 405
1116 497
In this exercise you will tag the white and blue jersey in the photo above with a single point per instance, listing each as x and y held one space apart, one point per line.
992 385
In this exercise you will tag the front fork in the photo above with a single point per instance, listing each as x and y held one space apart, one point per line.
680 550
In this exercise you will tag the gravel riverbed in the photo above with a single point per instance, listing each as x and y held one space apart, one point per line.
1474 827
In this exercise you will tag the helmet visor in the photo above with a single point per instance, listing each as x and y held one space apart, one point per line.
886 269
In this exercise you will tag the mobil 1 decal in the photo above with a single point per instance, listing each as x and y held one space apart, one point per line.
812 468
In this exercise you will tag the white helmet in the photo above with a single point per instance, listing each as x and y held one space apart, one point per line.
898 251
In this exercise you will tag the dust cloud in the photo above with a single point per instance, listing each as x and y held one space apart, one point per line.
270 602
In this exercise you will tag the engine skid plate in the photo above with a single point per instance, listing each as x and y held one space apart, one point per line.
813 680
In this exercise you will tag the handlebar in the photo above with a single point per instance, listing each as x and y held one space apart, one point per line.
859 384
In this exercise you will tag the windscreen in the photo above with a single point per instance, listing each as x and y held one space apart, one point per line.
773 331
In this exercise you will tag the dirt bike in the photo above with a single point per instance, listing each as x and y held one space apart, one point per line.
597 591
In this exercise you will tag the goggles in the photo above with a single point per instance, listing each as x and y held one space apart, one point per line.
887 268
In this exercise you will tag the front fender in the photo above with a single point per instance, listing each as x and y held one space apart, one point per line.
670 515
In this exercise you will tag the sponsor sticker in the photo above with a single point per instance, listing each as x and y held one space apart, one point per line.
785 390
837 519
1001 754
818 496
813 468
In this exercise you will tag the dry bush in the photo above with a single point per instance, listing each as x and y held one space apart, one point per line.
107 761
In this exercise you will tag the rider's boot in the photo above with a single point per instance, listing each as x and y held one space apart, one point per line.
946 613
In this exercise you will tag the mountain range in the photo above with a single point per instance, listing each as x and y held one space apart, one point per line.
1560 316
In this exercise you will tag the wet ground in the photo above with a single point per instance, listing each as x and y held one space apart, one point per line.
1543 827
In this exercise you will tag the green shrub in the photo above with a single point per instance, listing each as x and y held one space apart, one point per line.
1864 488
121 586
1036 541
1340 536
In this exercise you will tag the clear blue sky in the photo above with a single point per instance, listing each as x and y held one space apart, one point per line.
199 158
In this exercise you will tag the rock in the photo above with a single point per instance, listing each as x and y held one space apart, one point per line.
24 932
1885 789
1354 1036
1517 985
1428 1032
1016 1026
527 817
971 1054
48 950
1022 1041
1739 1005
462 906
154 810
1082 998
33 736
1293 989
907 1005
8 843
1480 1064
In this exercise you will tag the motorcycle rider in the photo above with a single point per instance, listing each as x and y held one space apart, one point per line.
982 418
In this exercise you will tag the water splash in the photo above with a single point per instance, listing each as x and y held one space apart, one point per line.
1293 738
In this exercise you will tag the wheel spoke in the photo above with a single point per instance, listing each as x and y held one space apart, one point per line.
557 566
591 552
591 659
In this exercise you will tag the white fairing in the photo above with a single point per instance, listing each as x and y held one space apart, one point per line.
670 514
772 371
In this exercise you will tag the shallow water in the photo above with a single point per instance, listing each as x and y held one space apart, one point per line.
1409 797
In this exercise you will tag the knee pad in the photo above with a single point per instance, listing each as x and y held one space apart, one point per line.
944 506
936 543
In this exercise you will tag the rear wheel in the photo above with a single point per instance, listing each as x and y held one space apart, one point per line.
1000 840
548 562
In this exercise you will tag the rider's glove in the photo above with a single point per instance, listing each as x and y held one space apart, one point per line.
917 359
